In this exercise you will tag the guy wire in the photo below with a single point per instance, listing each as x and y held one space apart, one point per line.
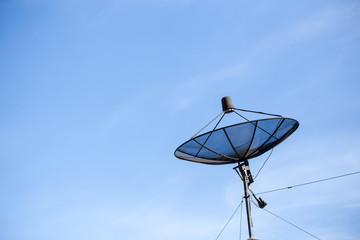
307 183
286 221
230 219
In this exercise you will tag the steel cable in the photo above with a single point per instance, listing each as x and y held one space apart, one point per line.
307 183
241 211
286 221
229 219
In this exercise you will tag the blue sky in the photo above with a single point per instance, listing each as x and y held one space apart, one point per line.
95 96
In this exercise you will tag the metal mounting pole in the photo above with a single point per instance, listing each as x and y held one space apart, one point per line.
247 179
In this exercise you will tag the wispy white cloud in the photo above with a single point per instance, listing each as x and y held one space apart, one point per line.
149 221
270 45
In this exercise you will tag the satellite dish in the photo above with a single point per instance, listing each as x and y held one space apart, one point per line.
237 144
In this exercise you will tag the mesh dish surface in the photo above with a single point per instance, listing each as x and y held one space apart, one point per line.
237 143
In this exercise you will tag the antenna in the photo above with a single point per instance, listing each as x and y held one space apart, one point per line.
236 144
227 105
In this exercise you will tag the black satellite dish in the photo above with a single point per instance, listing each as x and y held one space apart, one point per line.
237 144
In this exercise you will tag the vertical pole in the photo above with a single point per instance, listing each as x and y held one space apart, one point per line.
244 169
